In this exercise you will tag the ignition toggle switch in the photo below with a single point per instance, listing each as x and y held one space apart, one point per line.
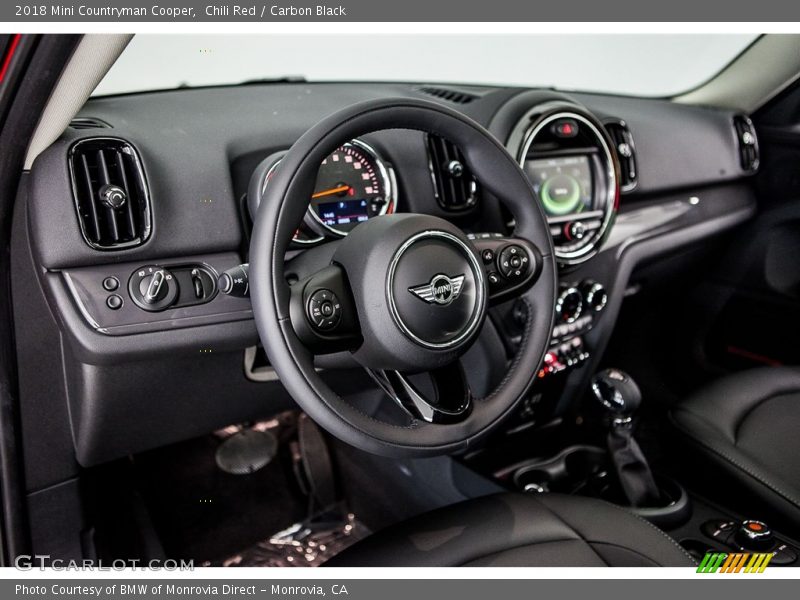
324 310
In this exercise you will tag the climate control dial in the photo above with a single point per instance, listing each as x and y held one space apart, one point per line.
594 294
569 305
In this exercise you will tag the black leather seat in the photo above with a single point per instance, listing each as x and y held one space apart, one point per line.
520 530
748 425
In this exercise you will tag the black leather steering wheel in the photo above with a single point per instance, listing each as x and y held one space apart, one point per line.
405 293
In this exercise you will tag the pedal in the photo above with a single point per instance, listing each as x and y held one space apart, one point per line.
246 451
313 464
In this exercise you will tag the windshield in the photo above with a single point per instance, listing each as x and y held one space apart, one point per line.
640 65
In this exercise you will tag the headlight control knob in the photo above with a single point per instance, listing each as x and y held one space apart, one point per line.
153 288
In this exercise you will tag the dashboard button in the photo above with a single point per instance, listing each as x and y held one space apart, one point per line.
576 230
110 284
565 128
114 302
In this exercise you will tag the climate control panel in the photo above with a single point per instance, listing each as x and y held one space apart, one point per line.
578 305
578 299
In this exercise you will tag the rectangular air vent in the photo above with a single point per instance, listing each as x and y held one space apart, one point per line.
748 143
453 184
451 95
110 192
626 154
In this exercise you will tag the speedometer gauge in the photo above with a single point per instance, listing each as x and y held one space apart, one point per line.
353 185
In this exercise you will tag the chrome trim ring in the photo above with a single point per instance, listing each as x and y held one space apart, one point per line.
480 279
594 242
570 291
264 184
596 288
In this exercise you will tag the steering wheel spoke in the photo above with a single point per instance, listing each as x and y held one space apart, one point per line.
449 399
512 265
323 312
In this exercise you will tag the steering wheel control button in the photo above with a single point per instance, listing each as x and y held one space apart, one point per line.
110 284
114 302
324 310
488 256
153 288
513 262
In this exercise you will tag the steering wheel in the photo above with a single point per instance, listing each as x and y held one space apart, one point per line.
404 293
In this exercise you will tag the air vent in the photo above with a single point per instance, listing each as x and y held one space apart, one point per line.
453 183
748 143
88 123
110 193
454 96
626 153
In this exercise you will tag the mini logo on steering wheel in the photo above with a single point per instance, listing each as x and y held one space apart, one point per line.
441 290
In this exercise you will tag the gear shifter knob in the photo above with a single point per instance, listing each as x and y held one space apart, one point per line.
616 392
619 397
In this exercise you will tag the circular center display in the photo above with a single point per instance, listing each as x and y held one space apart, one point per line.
561 195
436 289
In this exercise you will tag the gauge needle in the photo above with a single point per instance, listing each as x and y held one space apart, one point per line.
331 192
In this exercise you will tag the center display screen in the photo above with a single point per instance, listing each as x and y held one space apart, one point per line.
563 184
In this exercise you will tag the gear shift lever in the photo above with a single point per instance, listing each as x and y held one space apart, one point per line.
620 397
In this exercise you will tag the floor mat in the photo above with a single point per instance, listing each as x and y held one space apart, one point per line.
203 513
305 544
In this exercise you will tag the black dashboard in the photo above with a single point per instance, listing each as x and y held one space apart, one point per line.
151 351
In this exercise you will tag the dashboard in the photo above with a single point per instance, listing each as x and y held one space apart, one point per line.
127 293
566 153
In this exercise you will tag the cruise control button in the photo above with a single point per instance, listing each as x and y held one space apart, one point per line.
324 310
513 262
